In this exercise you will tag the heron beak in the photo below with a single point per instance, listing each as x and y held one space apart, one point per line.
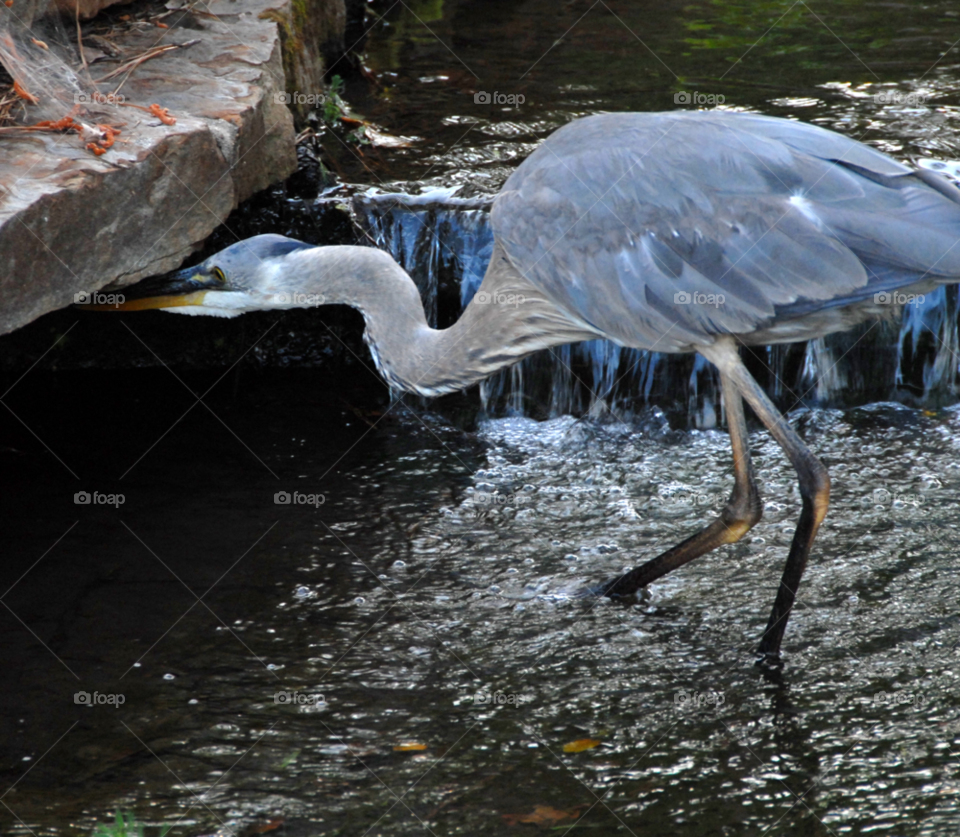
182 287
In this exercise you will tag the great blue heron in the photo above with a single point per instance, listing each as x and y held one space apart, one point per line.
673 232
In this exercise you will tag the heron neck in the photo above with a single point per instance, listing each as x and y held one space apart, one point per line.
414 357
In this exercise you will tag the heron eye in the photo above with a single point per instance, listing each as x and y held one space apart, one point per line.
219 274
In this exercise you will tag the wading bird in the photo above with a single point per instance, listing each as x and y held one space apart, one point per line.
671 232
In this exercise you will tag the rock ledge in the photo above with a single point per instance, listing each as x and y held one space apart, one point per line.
72 222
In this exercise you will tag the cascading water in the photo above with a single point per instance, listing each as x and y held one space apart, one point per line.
441 239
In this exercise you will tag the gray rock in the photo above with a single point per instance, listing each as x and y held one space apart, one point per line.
72 222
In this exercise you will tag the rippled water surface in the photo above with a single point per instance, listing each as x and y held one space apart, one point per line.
442 571
405 651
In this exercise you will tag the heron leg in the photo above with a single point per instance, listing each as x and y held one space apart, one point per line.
741 513
814 492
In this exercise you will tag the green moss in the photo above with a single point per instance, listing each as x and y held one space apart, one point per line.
291 44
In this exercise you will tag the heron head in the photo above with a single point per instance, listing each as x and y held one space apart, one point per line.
246 276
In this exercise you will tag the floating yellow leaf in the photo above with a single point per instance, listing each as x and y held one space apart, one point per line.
409 746
580 745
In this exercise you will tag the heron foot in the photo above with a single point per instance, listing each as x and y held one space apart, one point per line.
614 590
595 591
769 662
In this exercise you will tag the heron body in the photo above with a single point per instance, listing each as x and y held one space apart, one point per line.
671 232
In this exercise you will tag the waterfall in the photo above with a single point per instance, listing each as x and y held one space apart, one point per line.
441 239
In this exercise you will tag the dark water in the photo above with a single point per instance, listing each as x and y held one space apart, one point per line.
442 566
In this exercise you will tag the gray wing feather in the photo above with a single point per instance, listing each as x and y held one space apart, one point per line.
616 214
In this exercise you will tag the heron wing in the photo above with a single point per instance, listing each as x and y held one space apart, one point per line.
665 230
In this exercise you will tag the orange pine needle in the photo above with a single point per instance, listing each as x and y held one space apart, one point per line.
64 124
111 134
162 114
25 94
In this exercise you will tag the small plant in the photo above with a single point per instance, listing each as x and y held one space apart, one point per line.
333 106
125 825
359 136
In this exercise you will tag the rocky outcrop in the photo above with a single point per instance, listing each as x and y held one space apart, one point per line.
72 222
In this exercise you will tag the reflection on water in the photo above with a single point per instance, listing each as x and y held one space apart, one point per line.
410 655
